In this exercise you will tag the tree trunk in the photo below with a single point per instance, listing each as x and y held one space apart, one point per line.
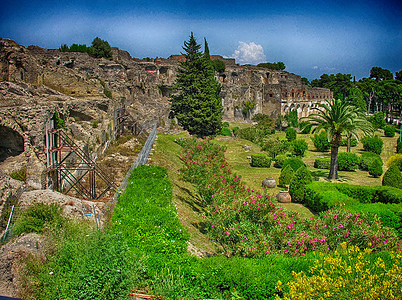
349 138
333 168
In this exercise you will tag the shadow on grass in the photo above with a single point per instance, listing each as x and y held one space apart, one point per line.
193 201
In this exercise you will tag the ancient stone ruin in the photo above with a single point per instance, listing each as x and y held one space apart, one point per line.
90 93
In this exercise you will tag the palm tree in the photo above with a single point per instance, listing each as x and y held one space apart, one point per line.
338 117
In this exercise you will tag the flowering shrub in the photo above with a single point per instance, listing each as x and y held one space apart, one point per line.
250 224
348 274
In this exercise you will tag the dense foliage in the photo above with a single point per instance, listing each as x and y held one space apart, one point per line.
197 103
99 48
290 134
299 147
260 160
389 131
373 144
298 184
320 141
393 177
273 66
348 161
286 176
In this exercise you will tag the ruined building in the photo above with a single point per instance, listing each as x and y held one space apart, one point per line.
89 93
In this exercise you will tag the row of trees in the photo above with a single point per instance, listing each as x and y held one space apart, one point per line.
99 48
381 92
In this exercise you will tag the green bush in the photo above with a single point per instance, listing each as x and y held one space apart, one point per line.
286 176
353 142
292 118
260 160
264 122
389 214
319 198
253 134
34 218
375 168
392 177
279 160
322 163
372 144
219 66
225 124
298 184
274 146
226 132
305 127
290 134
347 161
395 160
235 131
320 141
299 147
294 162
389 131
398 146
367 159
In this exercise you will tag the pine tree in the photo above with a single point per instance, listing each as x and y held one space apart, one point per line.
197 103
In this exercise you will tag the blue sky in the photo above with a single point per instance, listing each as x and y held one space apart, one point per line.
310 37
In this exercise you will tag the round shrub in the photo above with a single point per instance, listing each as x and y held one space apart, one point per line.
347 161
286 176
294 162
236 131
393 177
299 147
366 160
322 163
395 160
273 146
389 131
298 184
279 160
372 144
398 147
290 134
225 124
226 132
260 160
375 168
320 141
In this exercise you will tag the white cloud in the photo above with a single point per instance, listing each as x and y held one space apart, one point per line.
249 53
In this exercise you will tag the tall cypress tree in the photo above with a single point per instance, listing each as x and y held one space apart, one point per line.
197 103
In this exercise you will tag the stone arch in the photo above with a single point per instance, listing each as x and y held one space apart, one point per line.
11 143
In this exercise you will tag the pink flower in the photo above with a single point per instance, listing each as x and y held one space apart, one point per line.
227 233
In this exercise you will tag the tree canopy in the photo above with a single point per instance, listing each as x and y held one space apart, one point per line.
273 66
338 117
197 103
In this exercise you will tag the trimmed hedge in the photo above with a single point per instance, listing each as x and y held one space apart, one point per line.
367 159
286 176
294 162
393 177
398 147
389 214
260 160
362 194
290 134
347 161
279 160
389 131
299 147
322 163
298 184
320 196
373 144
226 132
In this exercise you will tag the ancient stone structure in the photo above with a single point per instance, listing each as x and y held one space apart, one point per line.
87 91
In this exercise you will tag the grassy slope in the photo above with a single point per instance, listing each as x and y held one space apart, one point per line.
185 196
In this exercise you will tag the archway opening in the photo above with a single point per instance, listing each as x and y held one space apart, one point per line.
11 143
